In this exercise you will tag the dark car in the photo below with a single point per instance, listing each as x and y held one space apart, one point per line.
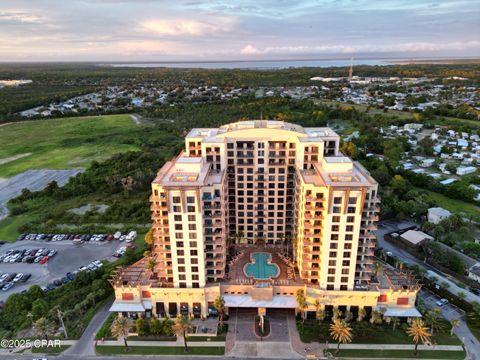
25 277
50 287
476 291
30 259
10 277
65 280
70 276
57 282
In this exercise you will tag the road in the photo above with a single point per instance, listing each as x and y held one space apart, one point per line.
133 357
410 259
450 312
86 345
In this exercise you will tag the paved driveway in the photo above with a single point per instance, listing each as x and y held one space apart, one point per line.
450 312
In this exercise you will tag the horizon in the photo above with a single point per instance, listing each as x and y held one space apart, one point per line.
200 31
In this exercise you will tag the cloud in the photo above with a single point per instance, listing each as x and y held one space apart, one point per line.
250 50
177 27
19 16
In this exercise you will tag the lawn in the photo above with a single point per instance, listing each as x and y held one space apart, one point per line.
159 350
62 143
455 206
422 354
366 333
50 349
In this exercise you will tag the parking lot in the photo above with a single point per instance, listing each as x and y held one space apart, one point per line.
69 258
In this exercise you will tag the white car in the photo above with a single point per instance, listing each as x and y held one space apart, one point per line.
3 277
117 235
83 268
122 238
97 263
17 278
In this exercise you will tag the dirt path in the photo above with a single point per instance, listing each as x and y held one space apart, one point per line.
136 118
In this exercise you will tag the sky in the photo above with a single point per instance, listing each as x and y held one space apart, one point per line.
201 30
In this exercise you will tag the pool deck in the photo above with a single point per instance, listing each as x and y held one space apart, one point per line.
237 274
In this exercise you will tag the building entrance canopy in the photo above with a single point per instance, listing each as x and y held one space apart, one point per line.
246 301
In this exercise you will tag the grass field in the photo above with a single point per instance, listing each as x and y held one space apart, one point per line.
454 206
404 354
62 143
159 350
9 227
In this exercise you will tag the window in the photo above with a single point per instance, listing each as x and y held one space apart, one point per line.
336 210
179 244
332 262
177 217
192 227
346 254
182 277
333 246
331 271
330 287
190 200
337 200
191 218
348 237
176 199
350 219
335 219
195 277
192 235
333 254
181 269
343 287
331 278
335 227
351 210
180 252
352 200
347 246
345 271
181 260
193 252
178 227
193 244
349 228
346 263
193 261
194 268
402 301
344 279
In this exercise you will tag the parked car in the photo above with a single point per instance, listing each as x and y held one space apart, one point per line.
70 275
442 302
37 259
7 286
43 260
25 277
97 263
3 277
474 290
17 278
57 282
52 253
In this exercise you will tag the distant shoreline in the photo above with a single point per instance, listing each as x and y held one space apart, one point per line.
433 61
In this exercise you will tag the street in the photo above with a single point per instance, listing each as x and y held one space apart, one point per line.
407 258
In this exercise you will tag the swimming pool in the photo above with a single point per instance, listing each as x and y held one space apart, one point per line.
260 267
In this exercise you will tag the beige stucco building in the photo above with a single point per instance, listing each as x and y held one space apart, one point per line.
262 187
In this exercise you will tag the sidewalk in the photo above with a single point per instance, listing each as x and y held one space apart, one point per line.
314 348
178 343
396 347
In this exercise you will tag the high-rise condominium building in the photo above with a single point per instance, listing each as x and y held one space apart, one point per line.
254 211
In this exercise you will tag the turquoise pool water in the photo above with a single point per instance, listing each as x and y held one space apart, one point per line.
260 268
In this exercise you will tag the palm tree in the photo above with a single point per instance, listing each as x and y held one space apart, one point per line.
219 304
30 317
455 323
43 327
361 314
432 319
319 313
341 332
337 313
395 322
378 267
121 328
419 332
151 264
302 302
376 317
181 327
60 315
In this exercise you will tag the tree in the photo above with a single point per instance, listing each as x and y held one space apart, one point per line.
419 332
378 266
219 304
337 313
155 327
432 319
455 323
60 314
376 317
341 332
395 322
151 264
181 327
43 327
39 308
149 237
319 312
302 302
121 328
361 314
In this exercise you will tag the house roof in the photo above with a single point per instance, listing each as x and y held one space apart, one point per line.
415 237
